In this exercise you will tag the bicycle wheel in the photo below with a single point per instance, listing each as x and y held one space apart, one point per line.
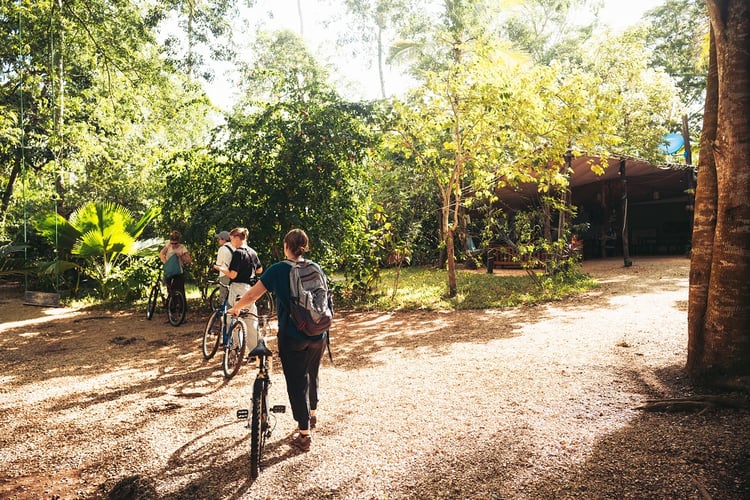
258 426
214 300
211 335
176 308
265 305
153 296
235 350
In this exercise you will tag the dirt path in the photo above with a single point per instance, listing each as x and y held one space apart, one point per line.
534 402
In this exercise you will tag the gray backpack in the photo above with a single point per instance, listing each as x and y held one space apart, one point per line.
311 304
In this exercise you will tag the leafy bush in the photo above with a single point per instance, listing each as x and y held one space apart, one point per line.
130 283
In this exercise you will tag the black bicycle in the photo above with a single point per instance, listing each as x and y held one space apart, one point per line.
262 422
170 299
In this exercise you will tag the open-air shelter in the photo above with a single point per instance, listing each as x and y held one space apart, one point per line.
633 208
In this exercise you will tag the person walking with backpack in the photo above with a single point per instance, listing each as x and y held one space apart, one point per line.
300 352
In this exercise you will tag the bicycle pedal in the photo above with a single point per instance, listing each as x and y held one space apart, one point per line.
243 414
278 409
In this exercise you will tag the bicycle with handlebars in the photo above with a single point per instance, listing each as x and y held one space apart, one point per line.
229 332
170 299
265 304
262 422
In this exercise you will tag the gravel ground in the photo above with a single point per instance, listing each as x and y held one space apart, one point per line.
526 403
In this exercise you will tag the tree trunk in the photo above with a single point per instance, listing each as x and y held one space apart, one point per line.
704 222
381 56
719 301
448 230
301 24
11 182
452 283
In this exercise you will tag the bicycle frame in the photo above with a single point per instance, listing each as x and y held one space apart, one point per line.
260 420
175 310
233 345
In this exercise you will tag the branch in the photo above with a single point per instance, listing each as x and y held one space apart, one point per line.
697 402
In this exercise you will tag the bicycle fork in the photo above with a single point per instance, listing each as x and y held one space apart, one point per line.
244 413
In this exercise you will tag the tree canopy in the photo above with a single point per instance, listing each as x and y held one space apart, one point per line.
105 103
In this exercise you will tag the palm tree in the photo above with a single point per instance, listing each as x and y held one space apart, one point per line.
103 234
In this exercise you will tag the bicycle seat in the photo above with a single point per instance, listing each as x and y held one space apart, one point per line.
261 349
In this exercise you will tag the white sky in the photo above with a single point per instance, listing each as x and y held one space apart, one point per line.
622 13
361 79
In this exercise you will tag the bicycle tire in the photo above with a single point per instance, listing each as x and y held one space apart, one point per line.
214 302
176 308
258 426
235 351
212 335
153 296
265 305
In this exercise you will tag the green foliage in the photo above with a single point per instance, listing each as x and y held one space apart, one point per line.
12 259
205 32
644 102
548 30
293 154
122 112
363 260
536 250
677 35
408 201
132 281
102 235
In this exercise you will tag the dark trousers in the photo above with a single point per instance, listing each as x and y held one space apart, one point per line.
300 360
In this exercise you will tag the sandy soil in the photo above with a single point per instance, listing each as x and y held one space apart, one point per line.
533 402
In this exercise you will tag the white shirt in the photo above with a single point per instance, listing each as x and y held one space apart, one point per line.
223 259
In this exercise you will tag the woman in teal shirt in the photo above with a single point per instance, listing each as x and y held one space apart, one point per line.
300 354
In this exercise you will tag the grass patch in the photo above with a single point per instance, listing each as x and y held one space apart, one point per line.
426 288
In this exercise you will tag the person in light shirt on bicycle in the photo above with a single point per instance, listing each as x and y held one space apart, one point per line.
223 260
244 266
175 279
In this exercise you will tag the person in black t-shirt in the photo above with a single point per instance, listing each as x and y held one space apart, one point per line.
245 265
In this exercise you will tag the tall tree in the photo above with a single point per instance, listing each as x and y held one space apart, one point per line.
206 32
380 21
549 30
122 112
452 126
718 311
646 101
292 154
677 36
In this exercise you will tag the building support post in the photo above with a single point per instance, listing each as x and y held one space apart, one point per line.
624 225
